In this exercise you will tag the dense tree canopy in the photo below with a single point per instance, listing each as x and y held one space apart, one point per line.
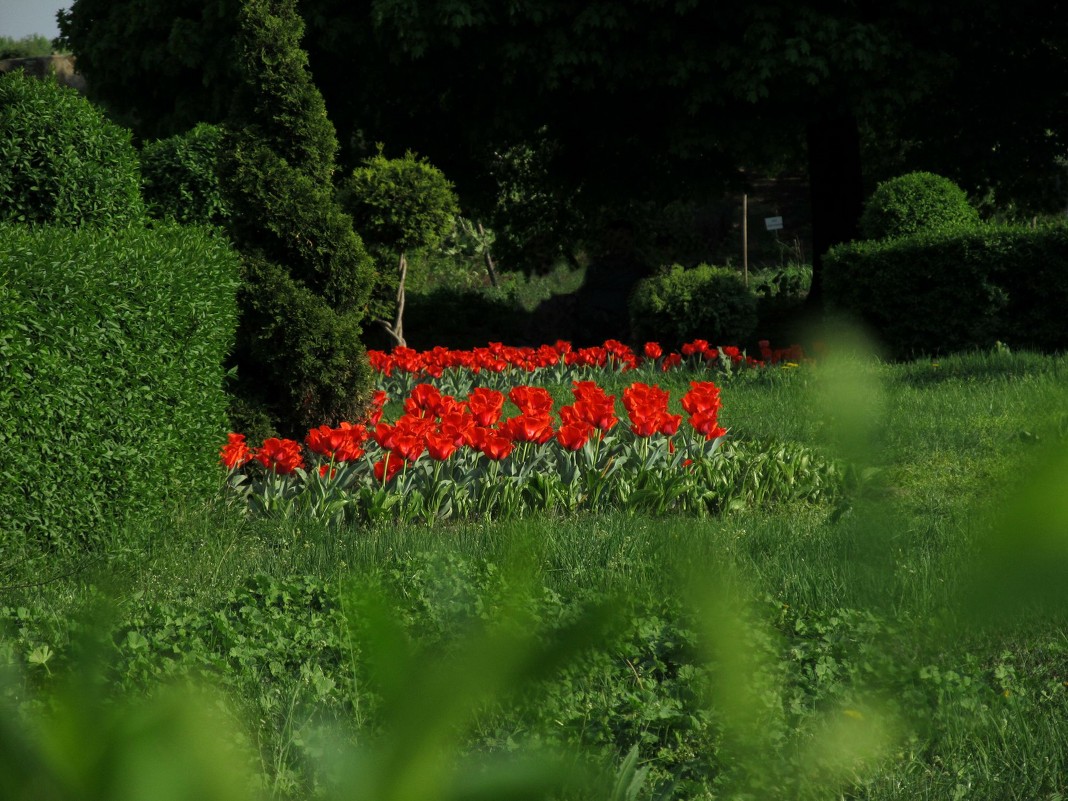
645 98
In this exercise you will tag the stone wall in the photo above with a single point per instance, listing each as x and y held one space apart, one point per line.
41 66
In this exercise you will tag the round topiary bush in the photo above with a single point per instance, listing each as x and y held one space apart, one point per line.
61 161
704 302
180 177
914 203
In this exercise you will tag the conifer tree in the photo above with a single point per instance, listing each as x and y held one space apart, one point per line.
307 276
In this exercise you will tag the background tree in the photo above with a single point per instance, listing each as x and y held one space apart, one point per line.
651 99
399 205
307 276
158 66
25 47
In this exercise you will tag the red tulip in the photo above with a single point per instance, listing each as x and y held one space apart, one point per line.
282 456
235 452
532 400
494 446
387 467
485 405
528 428
572 436
440 446
705 423
702 397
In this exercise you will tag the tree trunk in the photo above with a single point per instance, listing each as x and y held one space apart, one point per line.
837 188
396 328
490 266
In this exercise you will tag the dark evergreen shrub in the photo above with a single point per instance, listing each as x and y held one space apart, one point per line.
937 293
112 346
914 203
307 276
180 177
61 161
704 302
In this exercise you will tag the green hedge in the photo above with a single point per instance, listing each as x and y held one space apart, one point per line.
111 378
681 304
62 160
937 293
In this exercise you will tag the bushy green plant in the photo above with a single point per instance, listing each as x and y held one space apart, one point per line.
936 293
61 160
916 202
180 177
307 276
705 302
398 206
27 47
403 204
111 377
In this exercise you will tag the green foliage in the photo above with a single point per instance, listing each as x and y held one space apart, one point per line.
843 638
180 177
61 160
918 202
183 49
307 276
938 293
27 47
301 360
403 204
398 206
536 220
111 353
680 305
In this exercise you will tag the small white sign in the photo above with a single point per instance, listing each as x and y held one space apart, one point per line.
773 223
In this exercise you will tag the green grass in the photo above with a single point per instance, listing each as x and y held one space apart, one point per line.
860 600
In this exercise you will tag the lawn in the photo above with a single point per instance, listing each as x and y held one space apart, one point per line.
902 638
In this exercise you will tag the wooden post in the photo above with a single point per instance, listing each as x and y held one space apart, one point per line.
745 237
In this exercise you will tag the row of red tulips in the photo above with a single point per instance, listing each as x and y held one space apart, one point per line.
445 457
439 425
497 357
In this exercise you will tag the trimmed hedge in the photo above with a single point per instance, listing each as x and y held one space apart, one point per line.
111 377
937 293
914 203
682 304
61 160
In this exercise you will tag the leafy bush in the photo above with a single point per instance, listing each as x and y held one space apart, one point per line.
61 160
26 47
936 293
180 177
111 377
403 204
916 202
307 276
679 305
